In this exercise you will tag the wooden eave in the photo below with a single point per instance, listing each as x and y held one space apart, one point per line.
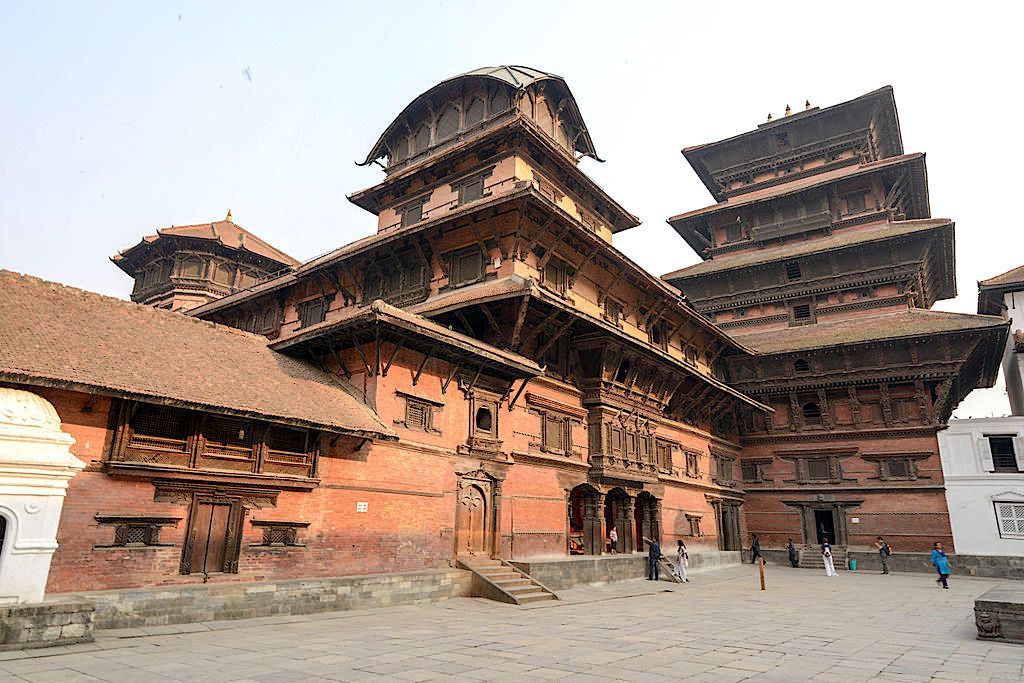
885 104
86 388
694 226
361 325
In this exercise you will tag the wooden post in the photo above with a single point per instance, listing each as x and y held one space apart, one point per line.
760 569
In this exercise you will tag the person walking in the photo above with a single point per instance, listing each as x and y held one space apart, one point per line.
794 559
826 555
884 551
613 540
755 549
682 559
941 564
653 556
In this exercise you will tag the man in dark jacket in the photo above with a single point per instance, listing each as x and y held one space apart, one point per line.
794 559
755 549
653 556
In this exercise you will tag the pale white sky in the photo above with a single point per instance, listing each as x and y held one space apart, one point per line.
120 118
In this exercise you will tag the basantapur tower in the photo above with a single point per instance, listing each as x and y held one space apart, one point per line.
822 256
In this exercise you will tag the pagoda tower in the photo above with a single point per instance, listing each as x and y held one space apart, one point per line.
821 255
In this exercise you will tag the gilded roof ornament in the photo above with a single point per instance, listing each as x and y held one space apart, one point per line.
789 110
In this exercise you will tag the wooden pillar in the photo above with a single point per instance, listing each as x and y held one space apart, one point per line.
627 535
593 524
495 544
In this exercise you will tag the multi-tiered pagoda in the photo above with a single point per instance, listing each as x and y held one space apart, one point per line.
821 254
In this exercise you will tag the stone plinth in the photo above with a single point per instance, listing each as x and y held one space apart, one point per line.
999 614
45 624
35 467
560 573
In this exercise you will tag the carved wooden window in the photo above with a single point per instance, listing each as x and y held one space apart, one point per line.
896 468
856 203
658 335
448 124
618 439
1010 518
793 271
694 523
412 213
690 355
467 267
723 474
734 232
1004 457
288 451
471 190
400 281
812 413
622 373
135 531
612 311
280 534
663 456
160 429
556 435
817 469
800 365
191 267
422 138
499 100
692 465
750 471
802 313
419 415
632 444
476 112
556 275
312 312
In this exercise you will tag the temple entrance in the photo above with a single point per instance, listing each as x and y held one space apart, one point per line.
618 515
825 526
585 524
471 521
646 519
213 541
727 515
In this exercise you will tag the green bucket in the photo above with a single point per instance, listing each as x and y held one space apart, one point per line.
853 565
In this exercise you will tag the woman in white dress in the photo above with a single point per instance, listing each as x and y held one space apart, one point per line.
682 559
826 554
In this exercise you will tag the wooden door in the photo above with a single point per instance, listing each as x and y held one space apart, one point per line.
471 522
212 544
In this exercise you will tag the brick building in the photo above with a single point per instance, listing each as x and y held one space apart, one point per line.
486 375
821 255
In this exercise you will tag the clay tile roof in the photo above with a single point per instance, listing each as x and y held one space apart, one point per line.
804 247
64 337
225 232
1010 278
914 322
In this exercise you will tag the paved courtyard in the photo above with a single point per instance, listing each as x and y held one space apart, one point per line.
719 627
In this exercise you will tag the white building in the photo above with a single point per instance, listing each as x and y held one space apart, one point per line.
1003 295
983 465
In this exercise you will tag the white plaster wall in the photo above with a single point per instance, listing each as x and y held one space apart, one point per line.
972 488
1013 363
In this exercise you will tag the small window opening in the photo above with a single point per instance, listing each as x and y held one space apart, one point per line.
793 271
484 419
802 312
812 413
801 365
623 372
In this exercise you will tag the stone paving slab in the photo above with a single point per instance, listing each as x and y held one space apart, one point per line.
719 627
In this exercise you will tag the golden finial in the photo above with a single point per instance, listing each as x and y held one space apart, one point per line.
228 217
807 105
769 116
789 110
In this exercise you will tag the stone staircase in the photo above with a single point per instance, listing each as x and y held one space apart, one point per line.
499 580
810 557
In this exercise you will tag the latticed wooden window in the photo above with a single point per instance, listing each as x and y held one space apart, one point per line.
471 191
1010 517
226 436
422 138
467 267
419 415
160 428
448 124
499 100
750 471
135 531
555 433
312 312
734 232
618 440
476 112
556 275
612 311
663 451
818 469
898 468
856 203
692 465
286 440
412 214
694 521
802 312
793 271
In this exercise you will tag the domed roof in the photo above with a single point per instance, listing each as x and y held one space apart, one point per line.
23 408
516 77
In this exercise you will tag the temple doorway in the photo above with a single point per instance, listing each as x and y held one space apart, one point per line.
618 515
471 521
585 524
646 520
825 526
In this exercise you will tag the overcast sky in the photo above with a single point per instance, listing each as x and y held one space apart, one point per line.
120 118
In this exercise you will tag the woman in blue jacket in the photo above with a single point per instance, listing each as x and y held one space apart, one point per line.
941 564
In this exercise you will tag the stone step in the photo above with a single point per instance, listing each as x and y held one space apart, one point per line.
520 588
524 598
512 581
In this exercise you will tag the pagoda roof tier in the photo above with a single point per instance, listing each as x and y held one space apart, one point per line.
991 291
873 113
514 286
528 192
914 322
418 332
837 241
515 78
224 233
81 341
693 226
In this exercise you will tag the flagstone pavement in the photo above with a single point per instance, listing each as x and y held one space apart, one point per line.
719 627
